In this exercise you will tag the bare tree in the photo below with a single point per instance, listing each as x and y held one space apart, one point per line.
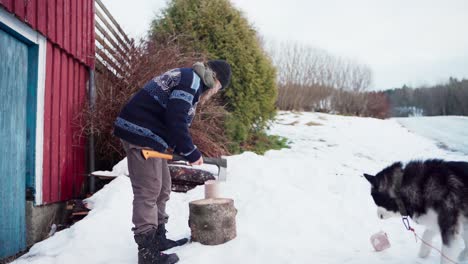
302 77
311 79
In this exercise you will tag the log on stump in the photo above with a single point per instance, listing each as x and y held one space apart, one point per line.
212 221
185 179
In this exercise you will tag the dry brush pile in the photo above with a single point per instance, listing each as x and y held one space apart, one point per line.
145 61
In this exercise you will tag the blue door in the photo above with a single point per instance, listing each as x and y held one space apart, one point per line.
13 133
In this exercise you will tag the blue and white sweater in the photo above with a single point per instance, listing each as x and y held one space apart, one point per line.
159 115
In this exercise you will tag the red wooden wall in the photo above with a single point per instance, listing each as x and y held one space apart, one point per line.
68 26
64 149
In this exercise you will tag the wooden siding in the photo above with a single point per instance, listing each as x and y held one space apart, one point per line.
64 148
68 24
69 29
13 127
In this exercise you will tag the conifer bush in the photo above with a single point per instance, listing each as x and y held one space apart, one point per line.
216 28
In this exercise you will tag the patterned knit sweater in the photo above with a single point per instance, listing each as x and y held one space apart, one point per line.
158 116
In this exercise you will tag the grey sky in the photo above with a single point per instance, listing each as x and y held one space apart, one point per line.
403 41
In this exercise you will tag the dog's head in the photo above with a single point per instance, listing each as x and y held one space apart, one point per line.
382 190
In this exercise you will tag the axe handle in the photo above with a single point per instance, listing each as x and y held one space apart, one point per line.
220 163
174 157
155 154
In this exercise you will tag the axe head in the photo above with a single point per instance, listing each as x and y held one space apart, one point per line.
221 164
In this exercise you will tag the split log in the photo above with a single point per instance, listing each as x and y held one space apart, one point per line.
212 221
184 178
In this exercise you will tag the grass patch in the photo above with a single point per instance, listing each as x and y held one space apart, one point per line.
261 143
312 123
293 123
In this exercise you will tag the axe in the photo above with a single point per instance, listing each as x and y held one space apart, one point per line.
219 162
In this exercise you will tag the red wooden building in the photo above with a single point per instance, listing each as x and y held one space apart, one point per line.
58 39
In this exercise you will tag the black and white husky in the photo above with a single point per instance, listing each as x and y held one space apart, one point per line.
434 193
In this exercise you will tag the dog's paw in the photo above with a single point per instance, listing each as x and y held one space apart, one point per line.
463 255
424 251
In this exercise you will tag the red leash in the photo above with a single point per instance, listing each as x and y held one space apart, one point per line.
409 228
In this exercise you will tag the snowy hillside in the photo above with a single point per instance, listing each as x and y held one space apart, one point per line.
306 204
451 132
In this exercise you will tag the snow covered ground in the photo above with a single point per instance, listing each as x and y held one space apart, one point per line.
306 204
451 132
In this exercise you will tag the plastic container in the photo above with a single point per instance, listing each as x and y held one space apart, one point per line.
380 241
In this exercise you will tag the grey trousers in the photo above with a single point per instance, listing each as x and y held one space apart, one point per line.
151 184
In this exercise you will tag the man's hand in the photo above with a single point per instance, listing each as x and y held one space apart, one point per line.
198 162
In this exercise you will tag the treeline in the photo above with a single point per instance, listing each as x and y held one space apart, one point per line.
311 79
450 98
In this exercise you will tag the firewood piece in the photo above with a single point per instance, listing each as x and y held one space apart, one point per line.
80 213
185 179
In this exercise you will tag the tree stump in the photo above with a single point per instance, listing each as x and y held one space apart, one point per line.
212 221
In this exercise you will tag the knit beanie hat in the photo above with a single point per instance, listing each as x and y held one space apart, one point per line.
222 70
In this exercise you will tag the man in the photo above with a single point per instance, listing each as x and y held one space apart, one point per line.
158 117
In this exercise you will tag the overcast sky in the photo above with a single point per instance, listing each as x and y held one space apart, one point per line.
411 42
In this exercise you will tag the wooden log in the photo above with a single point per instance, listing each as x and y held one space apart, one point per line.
212 221
185 179
80 213
198 177
211 189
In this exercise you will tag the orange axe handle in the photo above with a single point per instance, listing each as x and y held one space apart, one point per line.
154 154
219 162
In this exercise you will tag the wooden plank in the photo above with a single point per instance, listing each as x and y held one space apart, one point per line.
73 28
20 9
47 171
31 13
71 134
85 31
66 25
51 15
109 15
112 54
114 33
8 4
109 39
55 127
80 213
111 51
63 170
108 61
13 151
91 34
79 48
42 16
59 22
75 139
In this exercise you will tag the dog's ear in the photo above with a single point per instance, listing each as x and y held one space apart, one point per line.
370 178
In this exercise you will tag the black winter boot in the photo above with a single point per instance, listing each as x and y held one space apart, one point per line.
164 243
148 250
